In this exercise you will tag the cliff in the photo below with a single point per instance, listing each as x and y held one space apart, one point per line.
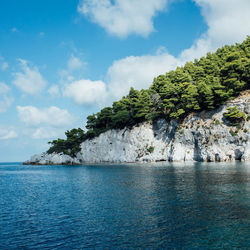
204 136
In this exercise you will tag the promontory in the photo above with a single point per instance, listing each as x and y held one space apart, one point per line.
199 112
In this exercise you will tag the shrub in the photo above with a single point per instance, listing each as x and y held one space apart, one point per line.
151 149
233 133
238 127
217 122
234 115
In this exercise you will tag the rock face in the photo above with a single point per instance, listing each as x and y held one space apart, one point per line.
205 136
52 159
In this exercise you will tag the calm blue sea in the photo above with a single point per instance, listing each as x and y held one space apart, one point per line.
153 206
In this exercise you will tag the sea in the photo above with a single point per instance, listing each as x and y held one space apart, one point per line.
125 206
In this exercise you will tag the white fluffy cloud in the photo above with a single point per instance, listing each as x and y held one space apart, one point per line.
54 91
86 91
228 22
46 133
5 99
7 133
138 72
122 18
52 116
29 80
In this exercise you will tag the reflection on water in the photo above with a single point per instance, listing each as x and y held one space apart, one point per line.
187 206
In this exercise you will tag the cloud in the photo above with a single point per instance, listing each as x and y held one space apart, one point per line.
4 66
65 76
74 69
7 133
5 99
86 91
46 123
138 72
54 91
227 21
46 133
122 18
74 63
29 81
52 116
4 88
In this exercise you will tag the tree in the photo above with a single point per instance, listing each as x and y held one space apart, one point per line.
91 121
234 115
206 96
200 85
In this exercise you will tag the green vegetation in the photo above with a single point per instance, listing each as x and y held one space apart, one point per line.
233 133
200 85
217 122
238 127
234 115
151 149
70 146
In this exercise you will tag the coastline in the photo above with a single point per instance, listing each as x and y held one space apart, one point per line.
200 137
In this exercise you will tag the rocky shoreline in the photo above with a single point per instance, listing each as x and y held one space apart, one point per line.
204 137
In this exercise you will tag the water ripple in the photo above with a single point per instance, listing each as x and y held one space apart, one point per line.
171 206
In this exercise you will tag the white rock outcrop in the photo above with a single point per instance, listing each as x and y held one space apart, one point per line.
52 159
204 136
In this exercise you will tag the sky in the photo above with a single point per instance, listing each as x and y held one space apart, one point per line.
62 60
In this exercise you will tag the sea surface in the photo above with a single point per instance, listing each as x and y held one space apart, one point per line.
148 206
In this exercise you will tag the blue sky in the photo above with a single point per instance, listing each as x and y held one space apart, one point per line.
61 60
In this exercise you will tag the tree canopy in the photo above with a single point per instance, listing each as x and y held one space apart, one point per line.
200 85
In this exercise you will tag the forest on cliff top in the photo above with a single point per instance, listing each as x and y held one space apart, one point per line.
203 84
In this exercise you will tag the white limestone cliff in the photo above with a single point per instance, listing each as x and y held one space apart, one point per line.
52 159
204 136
